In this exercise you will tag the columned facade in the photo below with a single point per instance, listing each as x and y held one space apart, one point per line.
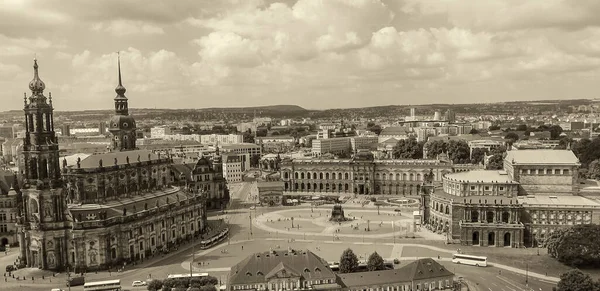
361 176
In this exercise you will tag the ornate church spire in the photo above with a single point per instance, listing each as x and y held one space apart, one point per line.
36 85
122 125
121 104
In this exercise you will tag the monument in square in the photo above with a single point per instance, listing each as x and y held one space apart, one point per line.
337 214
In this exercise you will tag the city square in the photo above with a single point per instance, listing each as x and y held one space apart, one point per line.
299 145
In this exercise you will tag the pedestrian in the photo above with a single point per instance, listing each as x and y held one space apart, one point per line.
242 248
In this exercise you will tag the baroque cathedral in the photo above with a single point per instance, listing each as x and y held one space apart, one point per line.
104 210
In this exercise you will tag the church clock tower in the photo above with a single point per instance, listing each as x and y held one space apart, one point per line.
43 223
122 125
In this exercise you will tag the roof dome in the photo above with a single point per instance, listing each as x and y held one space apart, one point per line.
36 85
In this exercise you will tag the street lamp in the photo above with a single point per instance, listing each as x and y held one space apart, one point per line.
527 274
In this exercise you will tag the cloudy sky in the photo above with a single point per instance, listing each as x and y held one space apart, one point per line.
313 53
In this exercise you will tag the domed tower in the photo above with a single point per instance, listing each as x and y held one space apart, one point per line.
122 125
44 217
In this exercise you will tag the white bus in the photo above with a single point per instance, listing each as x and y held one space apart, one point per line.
110 285
194 275
469 260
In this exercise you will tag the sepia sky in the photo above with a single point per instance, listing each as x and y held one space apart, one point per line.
313 53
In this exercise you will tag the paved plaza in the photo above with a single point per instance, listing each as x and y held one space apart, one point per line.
364 222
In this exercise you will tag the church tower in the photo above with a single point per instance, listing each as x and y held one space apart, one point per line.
44 220
122 125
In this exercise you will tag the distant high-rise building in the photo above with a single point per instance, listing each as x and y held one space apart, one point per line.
102 128
7 132
450 116
66 130
437 115
413 112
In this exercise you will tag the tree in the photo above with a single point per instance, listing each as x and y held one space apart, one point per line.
474 131
375 262
511 136
348 261
477 155
408 149
576 280
208 287
555 131
522 127
248 136
496 162
578 245
564 142
155 285
594 170
436 147
254 160
374 128
459 152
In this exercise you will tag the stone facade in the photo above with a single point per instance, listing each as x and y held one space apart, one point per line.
103 211
513 207
361 175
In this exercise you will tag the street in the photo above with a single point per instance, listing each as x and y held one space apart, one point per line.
246 239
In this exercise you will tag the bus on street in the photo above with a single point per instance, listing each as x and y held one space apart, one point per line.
110 285
469 260
194 275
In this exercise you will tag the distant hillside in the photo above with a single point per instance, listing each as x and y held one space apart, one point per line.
270 108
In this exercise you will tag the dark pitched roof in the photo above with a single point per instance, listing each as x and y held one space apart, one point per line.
108 159
185 169
426 268
420 269
255 268
7 178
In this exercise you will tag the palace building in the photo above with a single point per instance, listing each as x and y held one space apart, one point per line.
363 175
536 193
105 209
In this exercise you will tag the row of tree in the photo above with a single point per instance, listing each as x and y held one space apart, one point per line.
575 280
182 284
349 262
578 245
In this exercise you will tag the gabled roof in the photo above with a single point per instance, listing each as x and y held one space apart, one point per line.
7 178
426 268
420 269
281 268
257 267
185 169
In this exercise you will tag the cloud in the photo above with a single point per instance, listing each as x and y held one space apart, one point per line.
11 47
509 14
127 27
318 53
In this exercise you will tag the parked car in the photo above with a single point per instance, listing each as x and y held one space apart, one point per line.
56 289
138 284
252 207
398 210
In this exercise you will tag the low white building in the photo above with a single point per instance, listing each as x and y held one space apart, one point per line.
234 166
218 139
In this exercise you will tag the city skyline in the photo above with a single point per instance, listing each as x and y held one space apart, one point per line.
315 54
